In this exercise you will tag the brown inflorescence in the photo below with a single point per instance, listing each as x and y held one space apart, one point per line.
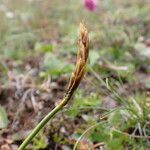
83 52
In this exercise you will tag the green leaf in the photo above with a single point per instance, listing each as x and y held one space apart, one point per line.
114 144
94 56
40 141
146 82
44 47
55 66
3 118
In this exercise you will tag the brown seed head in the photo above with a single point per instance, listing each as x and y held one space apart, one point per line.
83 52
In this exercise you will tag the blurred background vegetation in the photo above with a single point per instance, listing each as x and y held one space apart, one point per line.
37 55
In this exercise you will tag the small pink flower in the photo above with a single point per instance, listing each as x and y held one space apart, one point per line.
90 4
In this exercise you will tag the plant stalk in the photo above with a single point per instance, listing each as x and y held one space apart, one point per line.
43 122
74 82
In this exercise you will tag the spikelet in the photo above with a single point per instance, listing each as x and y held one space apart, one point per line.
77 75
82 55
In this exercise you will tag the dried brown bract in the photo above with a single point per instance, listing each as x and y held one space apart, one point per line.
83 52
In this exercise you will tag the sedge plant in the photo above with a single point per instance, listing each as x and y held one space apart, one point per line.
75 79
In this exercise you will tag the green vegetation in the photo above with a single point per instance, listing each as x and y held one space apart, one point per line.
37 54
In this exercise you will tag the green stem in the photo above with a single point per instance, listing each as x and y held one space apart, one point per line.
43 122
